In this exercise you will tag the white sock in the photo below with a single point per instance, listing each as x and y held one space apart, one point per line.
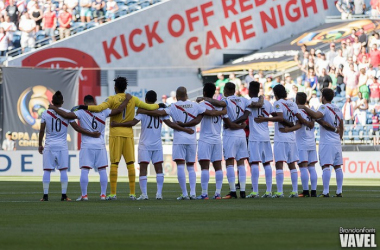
268 177
304 178
205 178
313 177
64 181
280 180
160 183
84 180
46 181
143 180
103 178
294 177
219 181
231 177
192 180
255 172
326 176
339 180
182 178
242 177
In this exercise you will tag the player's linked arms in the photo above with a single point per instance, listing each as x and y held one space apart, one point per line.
215 112
214 102
79 129
291 129
124 124
64 114
257 104
177 127
328 127
122 106
151 113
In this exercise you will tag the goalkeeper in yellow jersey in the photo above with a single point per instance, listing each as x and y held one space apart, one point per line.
121 140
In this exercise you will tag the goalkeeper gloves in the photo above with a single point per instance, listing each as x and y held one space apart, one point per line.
84 107
162 105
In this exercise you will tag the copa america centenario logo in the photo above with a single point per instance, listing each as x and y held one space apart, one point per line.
32 103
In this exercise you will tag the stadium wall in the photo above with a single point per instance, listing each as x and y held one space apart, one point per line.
29 163
164 45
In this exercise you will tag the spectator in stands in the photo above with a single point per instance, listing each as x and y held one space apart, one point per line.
232 78
331 54
364 63
21 6
221 82
268 85
347 65
359 7
375 127
276 81
361 108
164 99
375 57
299 84
308 64
98 6
312 79
244 90
352 35
112 8
50 23
37 16
262 78
344 49
339 59
314 101
8 143
357 46
345 7
71 6
334 80
12 12
289 83
374 39
2 8
293 93
308 90
371 71
4 42
299 58
375 91
85 10
340 85
350 49
249 77
27 27
325 80
363 38
375 8
362 84
348 110
172 98
351 80
318 57
64 20
321 64
256 78
8 27
218 95
362 53
31 6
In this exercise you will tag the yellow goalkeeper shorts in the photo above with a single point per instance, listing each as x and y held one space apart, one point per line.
122 146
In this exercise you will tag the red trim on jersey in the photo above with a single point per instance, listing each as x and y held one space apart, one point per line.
95 117
334 113
252 162
237 106
64 123
303 162
190 162
204 160
267 162
182 109
210 105
103 167
179 160
63 169
313 162
158 162
288 109
86 167
144 162
55 117
265 112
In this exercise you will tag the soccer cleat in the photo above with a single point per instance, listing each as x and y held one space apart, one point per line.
103 197
338 195
278 195
143 197
159 197
83 198
45 198
313 193
230 195
253 195
217 197
267 195
111 197
293 195
193 197
323 196
237 186
305 193
182 197
242 194
132 197
65 198
202 197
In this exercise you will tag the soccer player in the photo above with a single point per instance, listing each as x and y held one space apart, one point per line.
306 150
285 147
93 152
185 145
234 141
55 152
260 148
330 147
150 145
121 140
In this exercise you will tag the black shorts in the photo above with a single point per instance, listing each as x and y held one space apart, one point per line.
98 13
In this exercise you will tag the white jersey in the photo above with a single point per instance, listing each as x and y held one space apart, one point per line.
211 126
235 109
184 112
289 110
92 121
56 130
150 137
259 131
305 136
332 115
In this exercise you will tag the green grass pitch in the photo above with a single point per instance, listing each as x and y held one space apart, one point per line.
300 223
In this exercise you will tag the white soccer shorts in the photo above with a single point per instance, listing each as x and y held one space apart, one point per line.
93 158
330 155
285 152
235 148
55 159
308 156
146 156
260 151
209 152
185 152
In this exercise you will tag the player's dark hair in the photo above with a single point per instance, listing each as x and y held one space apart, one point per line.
121 84
301 98
89 99
328 94
254 88
230 87
151 96
57 98
209 90
280 91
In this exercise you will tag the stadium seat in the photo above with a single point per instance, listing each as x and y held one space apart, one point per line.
155 1
40 35
131 2
123 11
16 39
120 3
133 8
91 25
144 3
